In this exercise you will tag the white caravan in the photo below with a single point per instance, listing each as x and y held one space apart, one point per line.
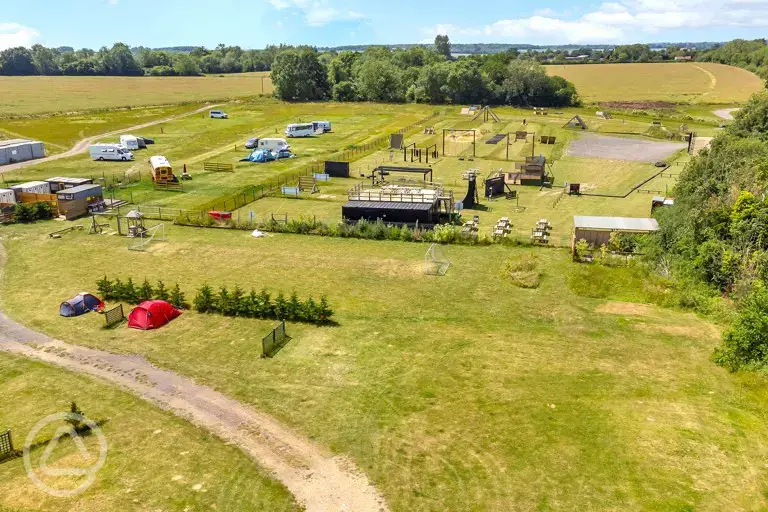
273 144
300 130
321 126
110 152
129 141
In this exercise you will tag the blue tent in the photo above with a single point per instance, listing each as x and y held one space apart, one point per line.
260 156
81 304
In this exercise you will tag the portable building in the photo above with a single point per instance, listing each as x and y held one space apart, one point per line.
32 187
20 150
391 212
597 230
62 183
77 201
7 196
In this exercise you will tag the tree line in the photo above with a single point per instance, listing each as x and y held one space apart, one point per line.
750 55
619 54
418 74
716 234
120 60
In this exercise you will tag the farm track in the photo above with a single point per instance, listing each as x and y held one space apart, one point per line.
82 145
319 480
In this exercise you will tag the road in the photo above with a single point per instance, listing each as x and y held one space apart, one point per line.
82 145
319 480
726 113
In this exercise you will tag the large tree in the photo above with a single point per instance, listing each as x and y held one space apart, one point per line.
443 45
298 76
17 61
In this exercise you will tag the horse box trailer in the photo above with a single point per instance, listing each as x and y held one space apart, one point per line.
322 126
129 141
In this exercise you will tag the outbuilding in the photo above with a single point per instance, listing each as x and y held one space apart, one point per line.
62 183
7 196
20 150
31 187
77 201
597 230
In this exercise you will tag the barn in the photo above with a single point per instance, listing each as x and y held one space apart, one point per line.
597 230
20 150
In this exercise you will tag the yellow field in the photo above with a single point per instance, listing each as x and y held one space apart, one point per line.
38 94
695 82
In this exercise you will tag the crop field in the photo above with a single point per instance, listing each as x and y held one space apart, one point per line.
454 393
43 94
154 461
695 82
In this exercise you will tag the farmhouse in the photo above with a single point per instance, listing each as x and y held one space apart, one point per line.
20 150
77 201
597 230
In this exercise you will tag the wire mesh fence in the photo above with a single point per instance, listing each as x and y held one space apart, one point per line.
6 445
274 341
114 316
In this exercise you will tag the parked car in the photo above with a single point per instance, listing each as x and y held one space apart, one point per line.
218 114
252 143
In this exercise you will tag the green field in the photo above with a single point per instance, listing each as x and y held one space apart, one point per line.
695 82
455 393
42 94
148 450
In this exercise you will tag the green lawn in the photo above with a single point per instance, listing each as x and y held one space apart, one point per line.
457 393
154 459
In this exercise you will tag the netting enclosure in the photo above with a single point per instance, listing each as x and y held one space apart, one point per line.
152 234
274 341
436 263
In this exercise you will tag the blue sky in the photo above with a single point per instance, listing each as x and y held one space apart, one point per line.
256 23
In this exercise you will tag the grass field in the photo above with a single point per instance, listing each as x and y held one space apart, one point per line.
43 94
455 393
153 461
696 82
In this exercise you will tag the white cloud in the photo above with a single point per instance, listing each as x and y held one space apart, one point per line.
318 13
14 34
112 2
615 22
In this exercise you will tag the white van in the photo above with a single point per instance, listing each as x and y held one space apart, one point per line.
218 114
300 130
322 126
110 152
129 141
273 144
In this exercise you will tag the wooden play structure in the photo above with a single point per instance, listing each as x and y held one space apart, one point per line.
308 183
460 137
576 122
487 113
135 220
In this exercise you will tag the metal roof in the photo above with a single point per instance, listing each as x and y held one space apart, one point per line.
388 205
79 188
29 184
63 179
616 223
15 142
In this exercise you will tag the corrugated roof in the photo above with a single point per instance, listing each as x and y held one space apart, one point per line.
17 142
616 223
64 179
387 205
79 188
29 184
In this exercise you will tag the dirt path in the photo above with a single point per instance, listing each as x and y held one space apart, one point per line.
725 113
82 145
319 480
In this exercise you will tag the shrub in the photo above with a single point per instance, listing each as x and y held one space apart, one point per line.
204 302
161 293
177 298
75 418
145 291
524 272
23 212
745 344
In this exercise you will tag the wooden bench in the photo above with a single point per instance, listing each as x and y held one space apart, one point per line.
217 167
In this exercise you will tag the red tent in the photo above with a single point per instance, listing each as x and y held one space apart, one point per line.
152 314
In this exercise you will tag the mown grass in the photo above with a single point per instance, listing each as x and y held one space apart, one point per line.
41 94
464 392
696 82
153 460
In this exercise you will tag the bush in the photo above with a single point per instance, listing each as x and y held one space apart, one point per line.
204 302
745 344
127 292
23 212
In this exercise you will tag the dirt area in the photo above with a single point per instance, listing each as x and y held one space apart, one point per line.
625 308
319 480
725 113
638 105
591 145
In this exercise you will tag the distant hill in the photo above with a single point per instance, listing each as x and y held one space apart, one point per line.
486 48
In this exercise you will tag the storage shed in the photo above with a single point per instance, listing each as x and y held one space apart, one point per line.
62 183
20 150
32 187
597 230
391 212
77 201
7 196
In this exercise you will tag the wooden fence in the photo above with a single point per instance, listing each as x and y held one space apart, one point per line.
218 167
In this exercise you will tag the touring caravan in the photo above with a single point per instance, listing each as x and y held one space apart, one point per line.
300 130
273 144
321 126
129 141
162 172
110 152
